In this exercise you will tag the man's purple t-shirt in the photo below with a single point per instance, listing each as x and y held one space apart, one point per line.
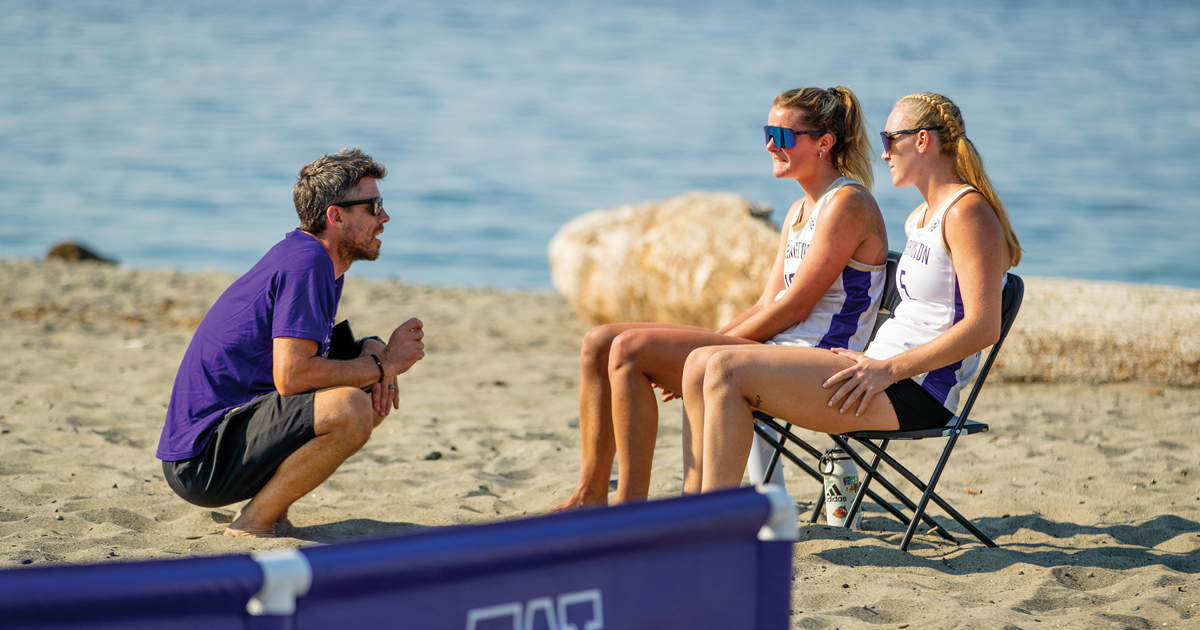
291 292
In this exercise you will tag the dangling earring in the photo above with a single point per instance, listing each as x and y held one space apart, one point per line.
821 153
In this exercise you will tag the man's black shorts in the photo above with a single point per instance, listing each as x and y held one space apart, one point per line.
915 407
247 446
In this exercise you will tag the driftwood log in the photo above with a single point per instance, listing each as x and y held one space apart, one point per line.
1101 332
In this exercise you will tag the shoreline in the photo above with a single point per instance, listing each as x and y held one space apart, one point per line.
1090 490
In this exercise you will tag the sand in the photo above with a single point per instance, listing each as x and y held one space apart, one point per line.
1090 490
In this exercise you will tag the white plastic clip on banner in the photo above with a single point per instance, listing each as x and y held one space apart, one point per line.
781 525
286 576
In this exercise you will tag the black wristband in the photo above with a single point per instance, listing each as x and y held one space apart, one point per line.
363 342
380 366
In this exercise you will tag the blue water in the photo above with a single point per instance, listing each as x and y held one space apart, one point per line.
169 134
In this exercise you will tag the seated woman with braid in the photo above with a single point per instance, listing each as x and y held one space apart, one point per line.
950 278
823 291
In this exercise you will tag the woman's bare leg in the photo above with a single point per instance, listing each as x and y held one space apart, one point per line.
693 404
595 414
693 431
639 359
784 382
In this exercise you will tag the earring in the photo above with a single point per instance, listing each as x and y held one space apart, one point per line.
821 153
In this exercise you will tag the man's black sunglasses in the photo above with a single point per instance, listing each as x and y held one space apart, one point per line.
376 204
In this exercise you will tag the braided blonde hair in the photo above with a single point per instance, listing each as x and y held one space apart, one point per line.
837 112
933 110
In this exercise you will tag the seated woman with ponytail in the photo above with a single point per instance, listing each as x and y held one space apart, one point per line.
950 277
823 291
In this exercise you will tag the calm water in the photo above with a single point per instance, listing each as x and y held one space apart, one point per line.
169 134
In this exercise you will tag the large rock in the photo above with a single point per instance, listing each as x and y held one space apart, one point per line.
699 258
74 252
1099 332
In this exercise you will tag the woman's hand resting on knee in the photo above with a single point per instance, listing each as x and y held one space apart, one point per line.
863 380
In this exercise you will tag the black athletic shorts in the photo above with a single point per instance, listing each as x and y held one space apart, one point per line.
247 446
915 407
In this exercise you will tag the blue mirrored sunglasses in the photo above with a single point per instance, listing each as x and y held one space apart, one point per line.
786 138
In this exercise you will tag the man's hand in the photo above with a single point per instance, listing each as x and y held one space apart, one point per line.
404 348
384 397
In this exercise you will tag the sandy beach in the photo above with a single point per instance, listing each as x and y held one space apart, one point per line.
1090 490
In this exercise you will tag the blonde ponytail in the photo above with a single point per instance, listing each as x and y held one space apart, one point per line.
934 110
837 112
857 159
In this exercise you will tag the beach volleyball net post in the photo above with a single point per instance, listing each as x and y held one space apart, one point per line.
721 560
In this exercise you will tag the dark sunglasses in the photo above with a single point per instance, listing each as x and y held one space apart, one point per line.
786 138
376 204
888 135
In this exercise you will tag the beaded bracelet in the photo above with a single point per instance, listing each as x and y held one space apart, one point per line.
380 366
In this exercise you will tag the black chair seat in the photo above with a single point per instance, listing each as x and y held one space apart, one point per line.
970 427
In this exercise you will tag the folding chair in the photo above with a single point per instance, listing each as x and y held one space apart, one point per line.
783 430
1014 290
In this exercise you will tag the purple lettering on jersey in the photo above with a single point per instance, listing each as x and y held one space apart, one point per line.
917 251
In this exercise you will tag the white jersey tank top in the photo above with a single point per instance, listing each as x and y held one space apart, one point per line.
845 315
930 304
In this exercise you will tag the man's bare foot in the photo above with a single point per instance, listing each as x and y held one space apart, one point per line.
244 530
282 520
250 533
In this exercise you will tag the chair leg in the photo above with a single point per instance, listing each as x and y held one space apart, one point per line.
920 485
785 431
770 472
934 526
930 494
771 469
818 505
864 485
865 490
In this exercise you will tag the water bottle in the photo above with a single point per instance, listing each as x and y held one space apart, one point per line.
841 486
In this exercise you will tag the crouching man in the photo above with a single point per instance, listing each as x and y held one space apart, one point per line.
271 397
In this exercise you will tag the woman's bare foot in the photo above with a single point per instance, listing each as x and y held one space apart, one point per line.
579 500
